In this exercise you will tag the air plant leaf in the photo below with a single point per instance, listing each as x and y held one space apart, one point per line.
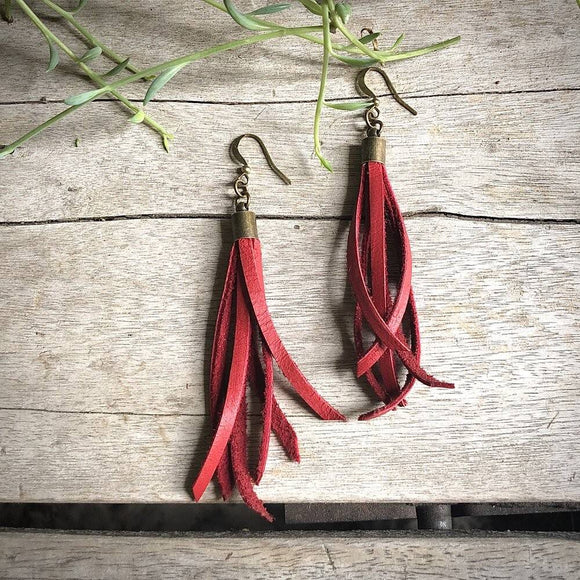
138 117
271 9
334 15
311 6
79 7
53 59
166 142
91 54
116 70
343 11
349 105
160 81
83 98
368 38
242 19
397 42
324 162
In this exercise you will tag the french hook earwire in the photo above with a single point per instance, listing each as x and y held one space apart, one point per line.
374 124
242 201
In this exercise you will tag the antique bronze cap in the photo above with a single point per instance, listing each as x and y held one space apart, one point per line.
374 149
244 224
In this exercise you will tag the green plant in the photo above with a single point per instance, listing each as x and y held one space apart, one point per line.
332 19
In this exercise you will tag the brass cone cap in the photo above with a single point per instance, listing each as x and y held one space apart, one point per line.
374 149
244 224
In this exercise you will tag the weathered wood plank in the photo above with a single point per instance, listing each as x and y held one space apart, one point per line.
500 155
99 457
105 323
507 46
47 556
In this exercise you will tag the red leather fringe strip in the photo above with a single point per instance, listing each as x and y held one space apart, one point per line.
376 210
255 345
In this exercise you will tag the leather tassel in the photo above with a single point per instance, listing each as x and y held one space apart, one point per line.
377 213
245 327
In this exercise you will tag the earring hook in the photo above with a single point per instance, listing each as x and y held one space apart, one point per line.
365 90
237 156
241 183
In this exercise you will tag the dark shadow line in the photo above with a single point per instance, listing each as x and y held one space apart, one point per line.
46 101
206 216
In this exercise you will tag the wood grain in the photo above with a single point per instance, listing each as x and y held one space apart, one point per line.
105 326
105 336
506 46
59 556
486 155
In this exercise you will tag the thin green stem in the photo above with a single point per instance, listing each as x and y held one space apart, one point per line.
322 89
419 51
149 72
7 11
337 22
304 36
355 46
386 56
354 50
86 69
189 58
216 4
91 39
14 145
330 22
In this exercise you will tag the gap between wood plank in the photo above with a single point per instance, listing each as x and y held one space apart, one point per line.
382 535
201 216
46 101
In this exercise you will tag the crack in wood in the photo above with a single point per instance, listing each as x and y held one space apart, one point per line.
45 100
114 414
217 216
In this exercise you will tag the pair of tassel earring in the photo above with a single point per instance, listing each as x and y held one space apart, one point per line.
246 343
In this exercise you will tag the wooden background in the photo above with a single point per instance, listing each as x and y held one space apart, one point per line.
297 555
112 256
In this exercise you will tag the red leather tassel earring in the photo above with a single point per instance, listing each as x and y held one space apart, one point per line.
376 217
245 347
